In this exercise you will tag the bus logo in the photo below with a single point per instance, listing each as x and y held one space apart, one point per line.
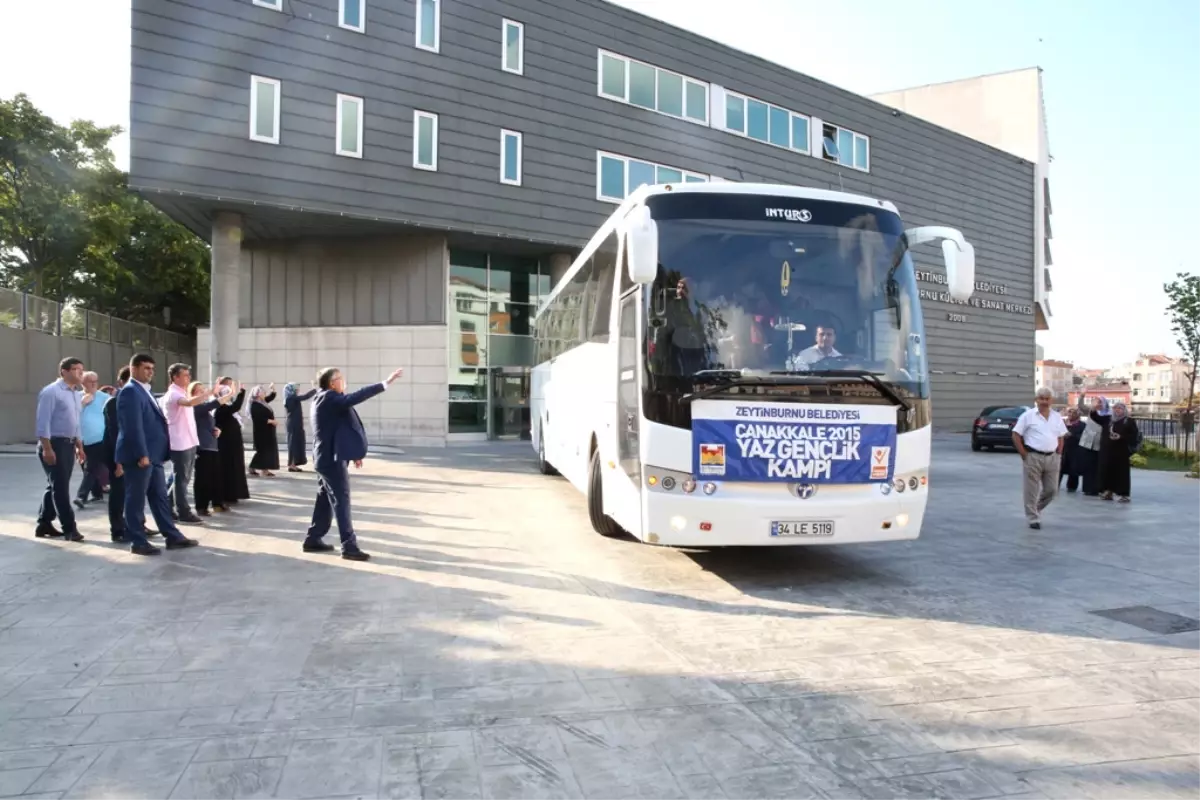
712 459
805 490
879 462
790 214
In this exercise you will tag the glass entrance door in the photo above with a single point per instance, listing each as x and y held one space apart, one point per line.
509 403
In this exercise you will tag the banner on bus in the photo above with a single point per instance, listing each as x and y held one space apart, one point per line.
784 442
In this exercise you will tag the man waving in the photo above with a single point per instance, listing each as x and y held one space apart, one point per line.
338 438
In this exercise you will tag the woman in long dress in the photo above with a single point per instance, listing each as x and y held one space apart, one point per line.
266 442
1072 460
1115 451
231 445
1091 447
296 444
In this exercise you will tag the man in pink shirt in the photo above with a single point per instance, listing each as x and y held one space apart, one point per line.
181 427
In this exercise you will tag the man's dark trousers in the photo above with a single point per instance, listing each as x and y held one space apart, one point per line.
116 503
333 498
93 463
56 500
142 485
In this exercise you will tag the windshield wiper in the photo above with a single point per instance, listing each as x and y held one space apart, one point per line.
862 374
736 378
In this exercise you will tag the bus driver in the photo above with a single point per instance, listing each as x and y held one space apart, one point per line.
826 336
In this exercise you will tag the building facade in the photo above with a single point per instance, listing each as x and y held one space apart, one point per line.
1057 376
1158 382
400 182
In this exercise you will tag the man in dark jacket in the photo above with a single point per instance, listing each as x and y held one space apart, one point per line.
116 486
338 438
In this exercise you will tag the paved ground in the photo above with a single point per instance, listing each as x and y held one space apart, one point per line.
497 648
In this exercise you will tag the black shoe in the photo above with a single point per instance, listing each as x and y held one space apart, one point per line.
318 547
153 533
180 544
1037 526
47 531
144 550
355 555
191 520
119 538
73 536
80 503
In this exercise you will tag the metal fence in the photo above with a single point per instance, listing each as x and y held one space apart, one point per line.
28 311
1168 432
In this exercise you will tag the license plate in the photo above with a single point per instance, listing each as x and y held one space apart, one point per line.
808 527
1000 426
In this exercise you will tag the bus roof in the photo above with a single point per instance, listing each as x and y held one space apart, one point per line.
639 195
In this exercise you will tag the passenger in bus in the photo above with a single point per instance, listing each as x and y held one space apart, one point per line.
824 348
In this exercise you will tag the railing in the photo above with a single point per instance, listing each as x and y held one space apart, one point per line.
1166 431
30 312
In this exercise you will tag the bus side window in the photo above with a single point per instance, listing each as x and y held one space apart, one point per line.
600 288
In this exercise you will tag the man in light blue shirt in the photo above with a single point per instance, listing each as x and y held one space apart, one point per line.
59 446
91 430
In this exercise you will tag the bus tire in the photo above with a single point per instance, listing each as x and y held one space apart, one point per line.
601 522
544 466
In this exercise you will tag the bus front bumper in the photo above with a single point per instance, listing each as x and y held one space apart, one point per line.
755 516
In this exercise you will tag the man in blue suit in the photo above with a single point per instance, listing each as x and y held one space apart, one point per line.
143 445
338 438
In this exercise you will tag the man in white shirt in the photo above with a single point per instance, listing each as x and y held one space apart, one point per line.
1038 437
826 336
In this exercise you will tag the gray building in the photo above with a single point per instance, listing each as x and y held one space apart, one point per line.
398 182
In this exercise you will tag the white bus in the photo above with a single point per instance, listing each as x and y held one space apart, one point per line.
743 364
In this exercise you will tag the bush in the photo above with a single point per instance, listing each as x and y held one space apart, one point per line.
1195 470
1138 460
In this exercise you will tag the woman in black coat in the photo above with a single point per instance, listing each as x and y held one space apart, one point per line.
296 444
231 445
1116 449
266 441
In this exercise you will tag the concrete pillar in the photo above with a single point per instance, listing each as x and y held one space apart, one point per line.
559 264
226 294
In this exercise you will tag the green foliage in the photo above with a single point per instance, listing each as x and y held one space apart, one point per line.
1184 311
71 230
1138 460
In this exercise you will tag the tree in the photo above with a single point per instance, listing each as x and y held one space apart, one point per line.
71 230
1184 310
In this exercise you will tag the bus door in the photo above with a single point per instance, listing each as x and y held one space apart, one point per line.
626 482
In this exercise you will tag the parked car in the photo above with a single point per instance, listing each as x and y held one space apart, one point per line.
993 427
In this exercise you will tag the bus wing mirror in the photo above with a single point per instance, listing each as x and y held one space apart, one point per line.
960 268
957 253
641 242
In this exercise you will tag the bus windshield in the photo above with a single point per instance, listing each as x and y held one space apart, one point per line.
767 285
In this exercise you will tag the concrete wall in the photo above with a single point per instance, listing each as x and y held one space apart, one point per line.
29 360
368 281
412 411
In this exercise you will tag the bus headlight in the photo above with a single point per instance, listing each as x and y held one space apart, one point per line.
710 487
913 483
886 488
689 486
668 483
899 484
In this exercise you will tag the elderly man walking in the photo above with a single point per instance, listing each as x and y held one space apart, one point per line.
1038 437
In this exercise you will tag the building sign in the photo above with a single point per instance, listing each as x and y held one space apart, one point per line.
779 442
984 287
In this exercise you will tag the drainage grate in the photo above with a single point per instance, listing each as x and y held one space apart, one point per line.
1151 619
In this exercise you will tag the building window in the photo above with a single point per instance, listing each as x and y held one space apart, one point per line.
274 5
766 123
617 176
349 126
425 140
640 84
429 25
512 56
352 15
264 109
510 157
846 147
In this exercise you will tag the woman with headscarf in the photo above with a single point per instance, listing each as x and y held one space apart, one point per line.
266 441
296 444
1090 443
1115 451
230 444
209 488
1071 460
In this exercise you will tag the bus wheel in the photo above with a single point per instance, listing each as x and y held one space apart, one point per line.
544 465
601 522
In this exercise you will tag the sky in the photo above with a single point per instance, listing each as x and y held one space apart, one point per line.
1122 105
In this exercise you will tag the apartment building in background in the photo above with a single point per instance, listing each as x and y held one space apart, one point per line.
1058 376
1157 382
400 182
